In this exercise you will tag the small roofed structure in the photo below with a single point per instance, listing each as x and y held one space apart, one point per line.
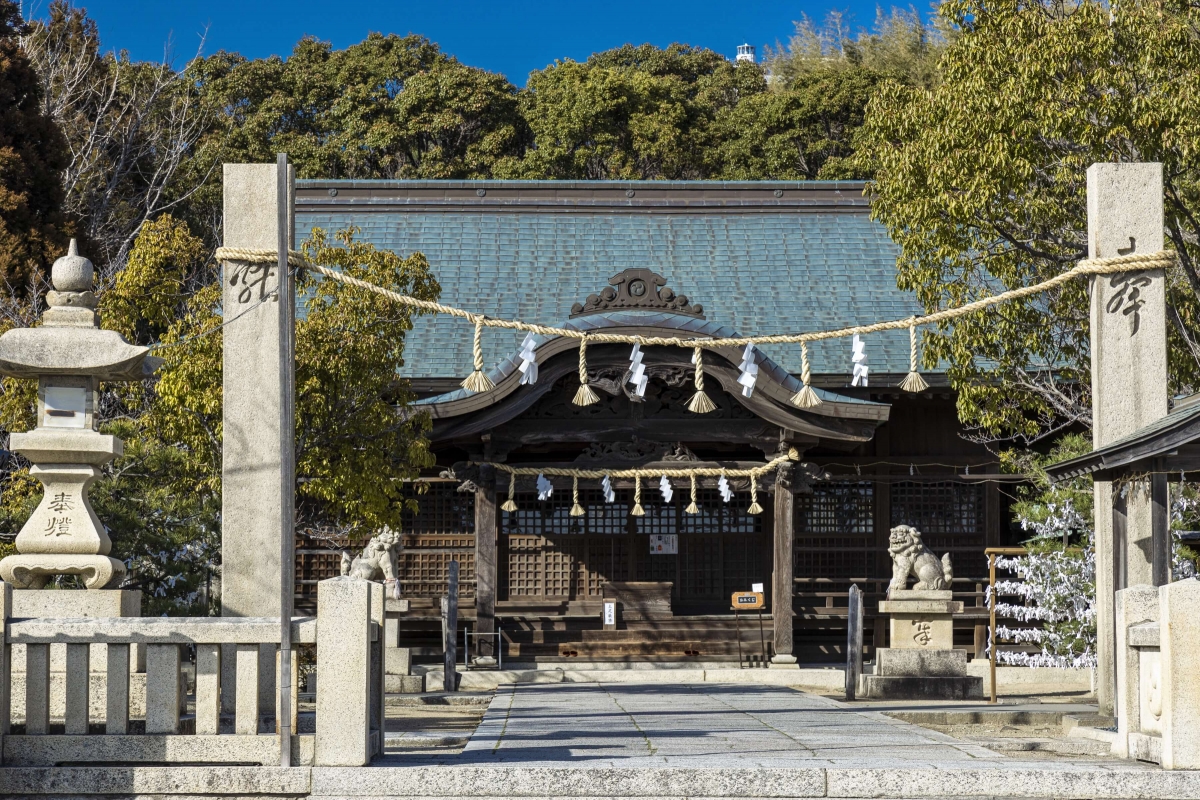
1166 450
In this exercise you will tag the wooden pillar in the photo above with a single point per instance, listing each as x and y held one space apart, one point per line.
782 587
486 535
1129 381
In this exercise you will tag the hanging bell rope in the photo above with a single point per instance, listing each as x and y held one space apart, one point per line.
637 511
692 507
700 402
806 397
477 381
510 505
754 508
585 396
576 509
913 382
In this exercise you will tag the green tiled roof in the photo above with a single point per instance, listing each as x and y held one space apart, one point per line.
766 269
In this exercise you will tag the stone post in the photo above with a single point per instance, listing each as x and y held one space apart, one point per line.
781 583
1129 382
1179 627
253 450
485 563
5 665
256 452
1131 606
344 685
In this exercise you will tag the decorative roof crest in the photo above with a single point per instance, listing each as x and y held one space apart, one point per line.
641 289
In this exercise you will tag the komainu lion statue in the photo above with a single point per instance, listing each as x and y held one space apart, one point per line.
910 556
379 561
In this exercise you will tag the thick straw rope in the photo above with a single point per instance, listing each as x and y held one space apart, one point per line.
692 474
1095 266
700 403
638 474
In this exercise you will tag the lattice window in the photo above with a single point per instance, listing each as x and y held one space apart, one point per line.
950 517
835 530
442 509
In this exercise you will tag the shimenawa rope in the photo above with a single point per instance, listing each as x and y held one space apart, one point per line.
805 398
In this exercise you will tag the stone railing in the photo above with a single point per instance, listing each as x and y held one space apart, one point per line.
217 724
1158 695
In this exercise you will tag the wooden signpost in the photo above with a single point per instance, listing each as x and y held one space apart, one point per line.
749 601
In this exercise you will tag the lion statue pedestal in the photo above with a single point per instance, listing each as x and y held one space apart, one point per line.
921 663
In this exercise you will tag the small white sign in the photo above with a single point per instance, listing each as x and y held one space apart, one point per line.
756 587
610 612
664 544
65 407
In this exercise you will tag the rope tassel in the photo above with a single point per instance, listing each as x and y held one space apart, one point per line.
637 511
585 396
754 508
692 507
700 403
576 509
477 381
913 382
510 505
806 397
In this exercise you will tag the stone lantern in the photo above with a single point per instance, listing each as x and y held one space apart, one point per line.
69 355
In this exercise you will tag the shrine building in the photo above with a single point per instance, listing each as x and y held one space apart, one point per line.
708 259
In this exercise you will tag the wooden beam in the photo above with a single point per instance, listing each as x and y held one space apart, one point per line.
781 583
485 559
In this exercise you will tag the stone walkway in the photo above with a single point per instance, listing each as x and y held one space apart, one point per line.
704 725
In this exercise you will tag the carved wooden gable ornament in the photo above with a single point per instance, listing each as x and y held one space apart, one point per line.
638 289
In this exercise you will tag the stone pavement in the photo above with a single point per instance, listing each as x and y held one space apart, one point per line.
703 725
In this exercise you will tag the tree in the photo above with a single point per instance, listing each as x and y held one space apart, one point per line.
388 107
981 182
356 439
901 45
32 152
634 113
804 132
130 128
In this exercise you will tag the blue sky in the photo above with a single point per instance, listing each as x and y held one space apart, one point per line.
508 37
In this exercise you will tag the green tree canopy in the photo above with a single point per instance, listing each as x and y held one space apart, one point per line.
638 113
32 151
981 182
388 107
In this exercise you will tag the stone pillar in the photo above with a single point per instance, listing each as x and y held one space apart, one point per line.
1129 379
344 685
252 447
781 581
1179 632
486 532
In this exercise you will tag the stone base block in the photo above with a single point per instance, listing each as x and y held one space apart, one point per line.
897 687
906 662
34 570
921 631
404 684
397 660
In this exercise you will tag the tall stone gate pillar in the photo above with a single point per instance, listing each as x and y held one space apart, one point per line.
1129 386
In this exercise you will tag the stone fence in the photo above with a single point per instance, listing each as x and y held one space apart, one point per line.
345 730
1158 694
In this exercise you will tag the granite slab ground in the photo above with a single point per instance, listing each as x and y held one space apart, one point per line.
654 741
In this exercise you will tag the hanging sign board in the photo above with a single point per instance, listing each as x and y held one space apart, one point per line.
747 600
610 615
664 544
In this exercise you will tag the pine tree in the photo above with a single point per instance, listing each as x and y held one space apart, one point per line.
32 154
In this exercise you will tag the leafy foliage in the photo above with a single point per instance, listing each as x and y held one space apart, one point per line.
356 441
980 180
32 151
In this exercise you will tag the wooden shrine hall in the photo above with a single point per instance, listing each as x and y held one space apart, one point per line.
688 259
